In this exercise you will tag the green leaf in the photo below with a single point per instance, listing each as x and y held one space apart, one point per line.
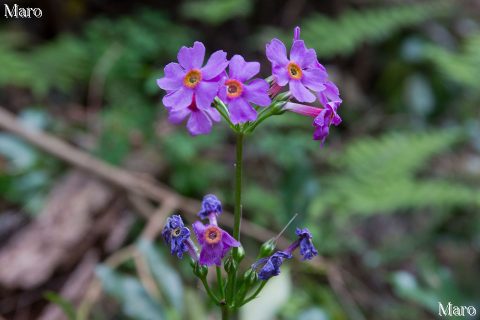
135 300
167 279
67 307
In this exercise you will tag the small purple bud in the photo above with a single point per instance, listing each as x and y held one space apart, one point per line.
211 206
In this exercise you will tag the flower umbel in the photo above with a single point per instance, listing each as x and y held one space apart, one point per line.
238 91
215 243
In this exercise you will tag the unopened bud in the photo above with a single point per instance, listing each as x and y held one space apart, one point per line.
199 270
267 249
230 265
239 254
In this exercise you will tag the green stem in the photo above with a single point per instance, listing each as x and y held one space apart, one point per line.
220 282
209 291
238 188
232 276
225 313
255 294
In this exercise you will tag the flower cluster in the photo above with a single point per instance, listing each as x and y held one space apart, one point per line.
214 241
270 266
204 93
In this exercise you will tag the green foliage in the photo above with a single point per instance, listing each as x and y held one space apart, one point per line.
216 12
166 278
66 306
434 284
29 173
461 67
55 65
380 176
135 300
344 34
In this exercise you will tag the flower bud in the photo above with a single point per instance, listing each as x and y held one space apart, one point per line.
250 277
230 264
200 271
267 248
239 254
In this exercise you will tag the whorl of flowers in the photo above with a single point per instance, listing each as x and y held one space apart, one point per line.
204 93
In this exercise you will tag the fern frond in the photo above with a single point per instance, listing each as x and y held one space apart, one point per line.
379 176
344 34
461 67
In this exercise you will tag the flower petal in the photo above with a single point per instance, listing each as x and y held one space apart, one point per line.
213 114
199 230
211 254
205 92
301 93
215 65
281 75
301 55
174 70
192 58
178 99
314 79
228 240
176 116
241 111
199 123
169 83
241 70
257 92
277 53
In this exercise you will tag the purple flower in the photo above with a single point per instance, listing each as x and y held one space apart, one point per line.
271 265
330 94
211 208
190 87
325 118
301 72
199 120
238 94
307 250
215 243
176 235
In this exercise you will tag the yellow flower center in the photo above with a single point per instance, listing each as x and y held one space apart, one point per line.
192 78
234 88
294 71
176 232
213 235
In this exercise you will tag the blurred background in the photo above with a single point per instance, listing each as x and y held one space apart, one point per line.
392 198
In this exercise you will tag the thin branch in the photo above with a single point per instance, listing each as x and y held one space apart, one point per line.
120 177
